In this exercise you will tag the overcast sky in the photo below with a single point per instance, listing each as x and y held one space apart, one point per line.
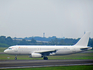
60 18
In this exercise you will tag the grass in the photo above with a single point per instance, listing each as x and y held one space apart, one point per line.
83 67
74 56
26 57
2 49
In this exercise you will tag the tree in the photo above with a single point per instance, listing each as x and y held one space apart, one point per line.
33 40
54 41
91 42
2 39
23 42
9 41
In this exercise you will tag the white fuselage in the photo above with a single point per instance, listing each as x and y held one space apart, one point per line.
60 50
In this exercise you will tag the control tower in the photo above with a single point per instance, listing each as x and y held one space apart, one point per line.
43 34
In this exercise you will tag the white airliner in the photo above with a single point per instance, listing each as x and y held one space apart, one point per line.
44 51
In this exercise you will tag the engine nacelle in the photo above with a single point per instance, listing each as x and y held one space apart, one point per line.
36 55
52 53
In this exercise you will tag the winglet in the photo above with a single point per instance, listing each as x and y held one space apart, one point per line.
84 40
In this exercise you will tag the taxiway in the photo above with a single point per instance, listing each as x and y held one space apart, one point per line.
41 63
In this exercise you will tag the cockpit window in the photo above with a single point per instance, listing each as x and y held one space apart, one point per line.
9 48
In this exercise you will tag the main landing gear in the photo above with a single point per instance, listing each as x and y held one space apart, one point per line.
15 57
45 58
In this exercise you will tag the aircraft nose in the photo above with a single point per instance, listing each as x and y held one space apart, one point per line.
5 51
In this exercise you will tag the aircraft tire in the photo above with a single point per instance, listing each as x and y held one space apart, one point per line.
45 58
15 58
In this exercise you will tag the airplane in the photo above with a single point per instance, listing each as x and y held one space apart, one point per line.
38 51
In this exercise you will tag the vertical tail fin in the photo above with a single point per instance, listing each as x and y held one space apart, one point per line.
84 40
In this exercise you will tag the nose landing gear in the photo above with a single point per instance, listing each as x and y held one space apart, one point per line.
15 57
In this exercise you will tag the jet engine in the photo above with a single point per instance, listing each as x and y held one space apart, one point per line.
52 53
36 55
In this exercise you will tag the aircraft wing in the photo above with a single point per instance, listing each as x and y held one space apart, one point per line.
46 52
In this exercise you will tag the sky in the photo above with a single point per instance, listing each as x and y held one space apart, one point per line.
60 18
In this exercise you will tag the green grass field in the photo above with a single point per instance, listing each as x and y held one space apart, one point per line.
85 67
26 57
2 49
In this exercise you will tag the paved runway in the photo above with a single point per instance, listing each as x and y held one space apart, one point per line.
41 63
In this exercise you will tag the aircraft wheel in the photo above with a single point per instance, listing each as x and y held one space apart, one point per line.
45 58
15 58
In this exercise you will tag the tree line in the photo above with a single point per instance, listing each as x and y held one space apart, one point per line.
8 41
